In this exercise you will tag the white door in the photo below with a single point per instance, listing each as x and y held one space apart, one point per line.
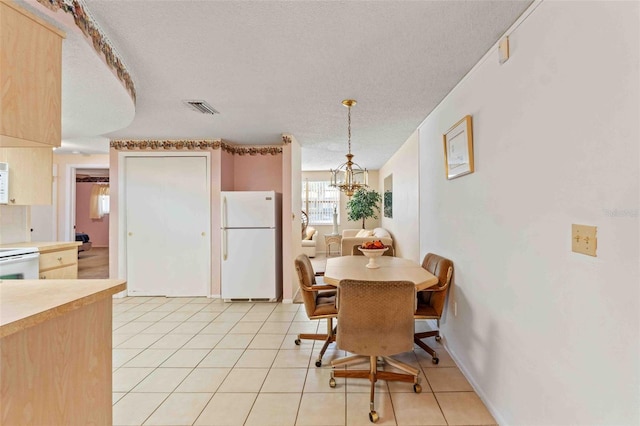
249 263
167 226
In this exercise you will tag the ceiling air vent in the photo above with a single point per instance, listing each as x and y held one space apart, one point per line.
201 106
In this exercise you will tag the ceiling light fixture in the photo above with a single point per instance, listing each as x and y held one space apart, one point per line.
348 177
201 106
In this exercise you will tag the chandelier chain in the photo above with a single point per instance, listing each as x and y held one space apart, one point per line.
349 131
349 177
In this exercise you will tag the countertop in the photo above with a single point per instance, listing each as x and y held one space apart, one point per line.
44 247
25 303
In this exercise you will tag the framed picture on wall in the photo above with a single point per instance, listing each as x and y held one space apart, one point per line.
458 149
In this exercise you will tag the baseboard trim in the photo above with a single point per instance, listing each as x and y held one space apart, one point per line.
477 389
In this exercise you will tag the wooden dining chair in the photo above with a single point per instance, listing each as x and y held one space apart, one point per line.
376 320
389 252
432 300
319 303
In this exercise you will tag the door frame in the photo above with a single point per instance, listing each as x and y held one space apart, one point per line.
122 216
70 207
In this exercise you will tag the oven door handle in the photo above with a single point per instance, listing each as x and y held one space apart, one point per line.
19 258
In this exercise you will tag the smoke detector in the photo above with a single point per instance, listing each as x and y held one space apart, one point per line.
201 106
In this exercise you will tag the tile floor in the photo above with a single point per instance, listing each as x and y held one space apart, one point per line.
199 361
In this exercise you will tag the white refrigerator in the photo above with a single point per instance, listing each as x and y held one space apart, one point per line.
251 245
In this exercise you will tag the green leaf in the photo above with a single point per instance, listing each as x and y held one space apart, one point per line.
362 204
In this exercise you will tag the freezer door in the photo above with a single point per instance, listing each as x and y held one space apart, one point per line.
248 209
249 264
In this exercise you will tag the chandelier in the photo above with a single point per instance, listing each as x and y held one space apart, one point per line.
348 177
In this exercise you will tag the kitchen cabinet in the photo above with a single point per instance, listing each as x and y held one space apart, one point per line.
58 261
30 79
55 351
30 175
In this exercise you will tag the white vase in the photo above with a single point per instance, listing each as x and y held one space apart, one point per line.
335 223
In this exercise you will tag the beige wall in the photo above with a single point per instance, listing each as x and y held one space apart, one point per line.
291 246
14 224
405 224
546 336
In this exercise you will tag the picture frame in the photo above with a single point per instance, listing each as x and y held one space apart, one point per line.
458 149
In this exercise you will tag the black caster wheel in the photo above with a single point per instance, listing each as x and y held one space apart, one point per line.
373 417
297 342
332 382
435 360
438 338
319 363
417 388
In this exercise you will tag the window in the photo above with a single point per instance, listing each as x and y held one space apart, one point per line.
99 201
319 200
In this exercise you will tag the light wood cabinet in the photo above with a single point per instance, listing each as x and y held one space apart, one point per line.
30 175
30 79
59 263
55 352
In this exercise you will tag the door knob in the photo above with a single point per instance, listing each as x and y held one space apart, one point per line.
130 233
203 234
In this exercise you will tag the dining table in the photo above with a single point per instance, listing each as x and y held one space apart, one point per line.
391 269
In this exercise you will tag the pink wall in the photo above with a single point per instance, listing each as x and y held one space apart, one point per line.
257 173
226 171
98 229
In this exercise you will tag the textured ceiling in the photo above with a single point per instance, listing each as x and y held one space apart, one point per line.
275 67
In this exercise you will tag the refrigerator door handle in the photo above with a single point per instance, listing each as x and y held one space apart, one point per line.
224 244
224 212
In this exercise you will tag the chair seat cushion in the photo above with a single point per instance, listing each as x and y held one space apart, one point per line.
326 304
426 311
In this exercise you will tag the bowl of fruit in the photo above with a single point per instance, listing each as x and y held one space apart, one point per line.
372 250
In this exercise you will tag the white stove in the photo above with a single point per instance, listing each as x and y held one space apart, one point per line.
19 263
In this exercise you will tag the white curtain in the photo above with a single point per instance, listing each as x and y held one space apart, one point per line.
99 201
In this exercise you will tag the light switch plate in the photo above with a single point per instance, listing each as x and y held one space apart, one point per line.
583 239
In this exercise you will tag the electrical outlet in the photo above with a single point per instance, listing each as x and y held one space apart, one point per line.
583 239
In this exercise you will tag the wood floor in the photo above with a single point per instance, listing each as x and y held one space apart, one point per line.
94 264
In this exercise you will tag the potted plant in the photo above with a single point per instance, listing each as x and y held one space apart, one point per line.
362 205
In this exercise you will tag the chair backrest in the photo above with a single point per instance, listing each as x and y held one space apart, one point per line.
355 252
376 317
442 268
306 279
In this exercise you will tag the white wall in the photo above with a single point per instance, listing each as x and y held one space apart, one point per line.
547 336
14 224
405 224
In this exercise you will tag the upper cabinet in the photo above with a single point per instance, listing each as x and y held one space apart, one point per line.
30 175
30 79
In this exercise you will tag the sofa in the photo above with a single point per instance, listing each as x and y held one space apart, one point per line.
309 242
351 237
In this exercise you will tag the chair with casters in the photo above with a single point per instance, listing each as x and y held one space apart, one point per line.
389 252
432 300
376 320
319 303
